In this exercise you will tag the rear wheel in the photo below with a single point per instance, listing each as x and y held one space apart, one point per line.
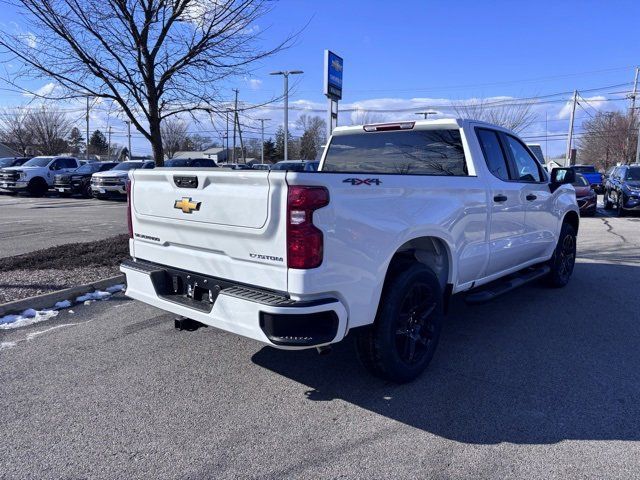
564 257
401 342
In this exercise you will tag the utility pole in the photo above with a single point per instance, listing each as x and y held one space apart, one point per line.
109 146
634 93
128 122
570 137
235 118
87 118
227 138
286 74
262 120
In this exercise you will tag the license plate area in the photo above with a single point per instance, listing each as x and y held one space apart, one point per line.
189 289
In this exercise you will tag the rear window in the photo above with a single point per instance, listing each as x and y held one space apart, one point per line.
415 152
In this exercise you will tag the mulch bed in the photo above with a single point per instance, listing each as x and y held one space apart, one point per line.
64 266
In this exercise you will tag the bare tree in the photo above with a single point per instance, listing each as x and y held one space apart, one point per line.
174 135
50 127
364 117
609 138
516 115
153 58
15 130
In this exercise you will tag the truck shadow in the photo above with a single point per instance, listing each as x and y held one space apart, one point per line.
536 366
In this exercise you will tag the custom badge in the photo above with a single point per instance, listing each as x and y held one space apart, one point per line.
186 205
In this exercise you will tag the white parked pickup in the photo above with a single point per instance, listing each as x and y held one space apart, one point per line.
398 218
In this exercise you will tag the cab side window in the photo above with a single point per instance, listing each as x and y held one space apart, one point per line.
493 154
527 168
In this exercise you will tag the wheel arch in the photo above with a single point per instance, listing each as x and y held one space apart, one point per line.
573 219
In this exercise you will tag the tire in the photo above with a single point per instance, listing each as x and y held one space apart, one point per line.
86 191
403 338
619 206
564 257
37 187
607 201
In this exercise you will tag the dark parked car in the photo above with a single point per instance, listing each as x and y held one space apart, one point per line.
622 189
585 195
79 181
190 163
591 174
297 165
13 161
236 166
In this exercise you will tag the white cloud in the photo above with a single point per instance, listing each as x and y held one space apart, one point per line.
255 83
31 40
598 102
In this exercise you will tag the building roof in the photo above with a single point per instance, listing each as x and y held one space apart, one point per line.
208 153
7 152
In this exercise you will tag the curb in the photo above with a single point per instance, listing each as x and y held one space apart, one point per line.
48 300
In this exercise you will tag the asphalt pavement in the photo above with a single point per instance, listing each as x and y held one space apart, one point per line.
541 383
28 224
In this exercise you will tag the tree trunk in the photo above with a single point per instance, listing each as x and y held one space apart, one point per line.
156 141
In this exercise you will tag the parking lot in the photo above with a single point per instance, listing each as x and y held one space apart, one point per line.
28 224
540 383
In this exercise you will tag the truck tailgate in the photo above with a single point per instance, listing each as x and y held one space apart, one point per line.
222 223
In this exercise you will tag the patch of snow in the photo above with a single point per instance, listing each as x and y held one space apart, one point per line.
6 345
116 288
71 311
97 295
63 304
16 321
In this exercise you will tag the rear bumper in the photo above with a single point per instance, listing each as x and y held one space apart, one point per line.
265 316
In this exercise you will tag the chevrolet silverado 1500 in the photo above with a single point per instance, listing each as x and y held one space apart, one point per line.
398 218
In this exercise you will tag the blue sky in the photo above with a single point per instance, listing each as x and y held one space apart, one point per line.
420 53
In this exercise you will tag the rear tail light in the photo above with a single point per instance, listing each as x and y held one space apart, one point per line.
129 202
304 239
385 127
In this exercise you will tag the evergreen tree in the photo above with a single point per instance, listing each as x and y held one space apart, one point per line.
98 143
269 150
292 150
76 141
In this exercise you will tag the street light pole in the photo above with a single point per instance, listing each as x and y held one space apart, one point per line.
128 122
426 114
286 74
262 120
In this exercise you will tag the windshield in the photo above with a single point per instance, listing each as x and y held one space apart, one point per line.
88 168
127 166
580 181
293 166
177 163
585 169
633 173
38 162
6 162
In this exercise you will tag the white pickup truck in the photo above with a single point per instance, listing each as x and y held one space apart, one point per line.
398 218
36 175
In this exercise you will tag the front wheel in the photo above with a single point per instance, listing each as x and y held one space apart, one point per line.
607 201
564 257
620 205
402 340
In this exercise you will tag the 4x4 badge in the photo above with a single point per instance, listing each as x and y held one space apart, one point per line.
362 181
186 205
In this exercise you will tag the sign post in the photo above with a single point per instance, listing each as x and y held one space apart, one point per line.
333 66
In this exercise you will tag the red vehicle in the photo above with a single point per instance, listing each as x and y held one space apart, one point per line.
585 195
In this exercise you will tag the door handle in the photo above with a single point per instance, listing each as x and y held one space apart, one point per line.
500 198
531 197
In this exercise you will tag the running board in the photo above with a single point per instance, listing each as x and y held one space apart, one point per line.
511 282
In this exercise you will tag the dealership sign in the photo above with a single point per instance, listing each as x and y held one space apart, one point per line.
332 75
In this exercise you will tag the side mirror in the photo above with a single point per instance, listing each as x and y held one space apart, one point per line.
562 176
